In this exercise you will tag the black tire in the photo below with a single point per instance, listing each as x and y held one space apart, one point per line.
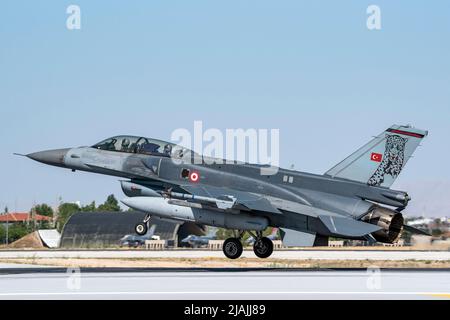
232 248
141 229
263 247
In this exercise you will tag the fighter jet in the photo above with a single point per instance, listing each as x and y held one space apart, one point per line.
197 241
133 240
352 200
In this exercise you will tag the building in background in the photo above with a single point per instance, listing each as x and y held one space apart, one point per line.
23 217
106 229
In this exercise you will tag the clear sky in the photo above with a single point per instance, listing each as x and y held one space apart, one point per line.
310 68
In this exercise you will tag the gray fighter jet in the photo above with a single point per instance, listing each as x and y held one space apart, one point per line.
197 241
352 200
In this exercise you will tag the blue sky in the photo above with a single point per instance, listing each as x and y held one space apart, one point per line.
311 69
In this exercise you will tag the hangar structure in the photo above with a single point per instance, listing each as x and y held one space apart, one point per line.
105 229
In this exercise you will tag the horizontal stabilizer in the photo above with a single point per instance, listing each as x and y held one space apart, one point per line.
348 227
415 230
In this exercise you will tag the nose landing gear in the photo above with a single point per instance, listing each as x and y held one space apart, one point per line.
142 227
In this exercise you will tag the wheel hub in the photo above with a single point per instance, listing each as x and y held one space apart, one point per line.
261 247
231 248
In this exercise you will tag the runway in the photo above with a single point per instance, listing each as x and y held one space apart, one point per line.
224 284
392 255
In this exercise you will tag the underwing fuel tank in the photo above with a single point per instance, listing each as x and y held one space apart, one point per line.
163 208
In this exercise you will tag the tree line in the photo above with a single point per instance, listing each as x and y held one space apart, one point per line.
16 230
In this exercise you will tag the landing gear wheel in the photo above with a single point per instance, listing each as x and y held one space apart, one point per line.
141 228
232 248
263 247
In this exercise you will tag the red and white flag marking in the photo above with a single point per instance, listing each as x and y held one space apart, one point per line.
377 157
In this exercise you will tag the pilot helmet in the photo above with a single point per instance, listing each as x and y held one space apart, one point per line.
167 148
125 142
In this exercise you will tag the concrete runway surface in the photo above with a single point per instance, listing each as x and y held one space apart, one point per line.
260 284
280 254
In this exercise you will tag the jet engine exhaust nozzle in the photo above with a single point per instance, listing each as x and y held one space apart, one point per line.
391 221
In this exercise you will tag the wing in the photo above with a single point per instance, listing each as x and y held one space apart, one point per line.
333 222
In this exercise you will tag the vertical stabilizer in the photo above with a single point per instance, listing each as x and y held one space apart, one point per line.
380 161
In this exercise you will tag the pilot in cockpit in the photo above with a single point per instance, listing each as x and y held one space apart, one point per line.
125 145
167 149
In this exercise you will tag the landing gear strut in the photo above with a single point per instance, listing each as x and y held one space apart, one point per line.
142 227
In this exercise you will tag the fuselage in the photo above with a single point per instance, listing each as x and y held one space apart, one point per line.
162 172
166 172
169 181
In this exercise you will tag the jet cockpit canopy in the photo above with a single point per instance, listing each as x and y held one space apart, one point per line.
134 144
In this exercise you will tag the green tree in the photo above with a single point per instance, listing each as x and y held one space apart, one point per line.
44 210
65 211
2 234
89 208
15 231
111 204
45 225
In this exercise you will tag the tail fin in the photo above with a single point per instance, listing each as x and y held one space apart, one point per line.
379 162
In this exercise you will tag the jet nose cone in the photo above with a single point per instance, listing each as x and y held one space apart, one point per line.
51 157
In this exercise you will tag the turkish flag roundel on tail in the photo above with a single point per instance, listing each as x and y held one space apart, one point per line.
377 157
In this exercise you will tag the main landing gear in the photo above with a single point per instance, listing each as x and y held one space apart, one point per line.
232 248
263 247
142 227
